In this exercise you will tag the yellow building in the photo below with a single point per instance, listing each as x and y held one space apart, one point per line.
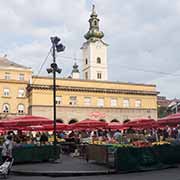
80 99
14 79
77 99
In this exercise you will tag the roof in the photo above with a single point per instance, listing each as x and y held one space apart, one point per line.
85 80
4 62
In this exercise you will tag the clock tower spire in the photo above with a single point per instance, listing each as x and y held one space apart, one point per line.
94 51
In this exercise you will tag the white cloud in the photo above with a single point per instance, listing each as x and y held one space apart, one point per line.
143 35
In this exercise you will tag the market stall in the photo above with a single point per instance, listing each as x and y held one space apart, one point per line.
172 120
141 123
33 153
88 124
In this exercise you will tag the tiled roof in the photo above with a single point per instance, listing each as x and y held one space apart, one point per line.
4 62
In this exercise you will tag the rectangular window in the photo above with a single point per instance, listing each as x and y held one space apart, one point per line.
87 101
21 93
113 102
73 100
58 99
6 92
126 103
98 60
21 77
100 102
138 103
99 75
7 76
86 75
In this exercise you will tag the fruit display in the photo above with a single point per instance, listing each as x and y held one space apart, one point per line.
160 143
141 144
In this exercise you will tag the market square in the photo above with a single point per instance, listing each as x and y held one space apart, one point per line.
101 102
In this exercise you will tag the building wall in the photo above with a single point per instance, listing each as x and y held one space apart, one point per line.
44 97
66 114
14 84
14 73
92 51
38 101
41 99
93 84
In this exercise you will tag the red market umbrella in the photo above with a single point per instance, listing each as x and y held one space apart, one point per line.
142 123
116 126
89 124
171 120
46 127
25 121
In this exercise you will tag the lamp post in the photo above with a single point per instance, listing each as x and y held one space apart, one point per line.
56 47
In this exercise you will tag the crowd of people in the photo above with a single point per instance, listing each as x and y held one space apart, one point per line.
19 138
89 136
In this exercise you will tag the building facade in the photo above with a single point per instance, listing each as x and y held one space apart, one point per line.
76 99
80 99
14 79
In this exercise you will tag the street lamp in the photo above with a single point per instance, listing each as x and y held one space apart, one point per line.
56 47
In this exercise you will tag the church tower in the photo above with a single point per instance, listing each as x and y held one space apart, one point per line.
75 74
94 51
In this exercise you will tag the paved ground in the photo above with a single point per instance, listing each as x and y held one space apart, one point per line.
66 164
166 174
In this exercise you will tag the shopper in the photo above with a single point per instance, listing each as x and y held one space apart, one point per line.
7 149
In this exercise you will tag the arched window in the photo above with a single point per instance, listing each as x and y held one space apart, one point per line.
73 121
115 120
95 23
59 121
102 120
20 109
6 108
98 60
126 120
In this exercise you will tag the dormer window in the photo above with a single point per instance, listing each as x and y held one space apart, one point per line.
98 60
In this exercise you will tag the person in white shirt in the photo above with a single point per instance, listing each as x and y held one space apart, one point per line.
7 148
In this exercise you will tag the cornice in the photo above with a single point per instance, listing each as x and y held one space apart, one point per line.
94 90
95 81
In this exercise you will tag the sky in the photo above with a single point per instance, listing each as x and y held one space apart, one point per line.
143 37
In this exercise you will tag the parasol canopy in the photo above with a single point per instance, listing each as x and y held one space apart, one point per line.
117 126
89 124
142 123
46 127
25 121
171 120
